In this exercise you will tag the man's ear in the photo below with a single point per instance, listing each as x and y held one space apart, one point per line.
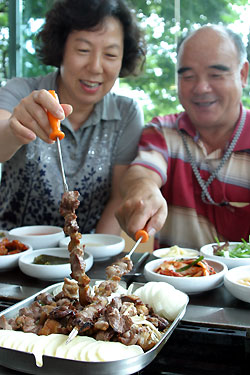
244 73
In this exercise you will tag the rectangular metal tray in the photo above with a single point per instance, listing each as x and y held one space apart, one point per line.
25 362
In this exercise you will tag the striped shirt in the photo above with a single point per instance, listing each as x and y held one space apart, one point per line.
190 221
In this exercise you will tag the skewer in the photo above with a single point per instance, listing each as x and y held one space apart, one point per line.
57 135
65 185
140 236
72 335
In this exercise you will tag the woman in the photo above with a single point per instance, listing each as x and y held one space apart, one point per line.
92 43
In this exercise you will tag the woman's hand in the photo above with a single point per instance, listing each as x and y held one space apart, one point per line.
29 118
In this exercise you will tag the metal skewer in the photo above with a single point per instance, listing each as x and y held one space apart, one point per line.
72 335
57 135
140 236
65 185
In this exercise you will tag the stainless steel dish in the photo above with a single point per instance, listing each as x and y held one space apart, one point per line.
25 362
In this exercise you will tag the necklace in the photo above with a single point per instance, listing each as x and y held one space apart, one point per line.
205 195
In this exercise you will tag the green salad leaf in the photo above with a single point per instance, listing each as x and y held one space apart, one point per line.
242 250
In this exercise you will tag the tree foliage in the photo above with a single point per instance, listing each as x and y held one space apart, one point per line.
157 85
159 19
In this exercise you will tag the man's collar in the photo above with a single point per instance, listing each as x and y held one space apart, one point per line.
184 123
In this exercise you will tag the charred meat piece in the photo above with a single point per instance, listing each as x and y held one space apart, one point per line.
70 288
45 299
158 321
89 315
146 338
102 324
60 312
69 203
119 322
105 335
85 296
4 323
26 324
78 266
119 268
106 288
131 336
33 311
52 326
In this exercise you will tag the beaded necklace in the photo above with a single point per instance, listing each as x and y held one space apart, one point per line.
205 195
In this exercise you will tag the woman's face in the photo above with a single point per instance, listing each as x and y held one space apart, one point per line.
91 63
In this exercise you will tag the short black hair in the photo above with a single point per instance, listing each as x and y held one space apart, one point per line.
71 15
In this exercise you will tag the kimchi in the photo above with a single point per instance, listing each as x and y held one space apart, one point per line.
185 267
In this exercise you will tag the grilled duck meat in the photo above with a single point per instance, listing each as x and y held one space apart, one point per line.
68 206
119 268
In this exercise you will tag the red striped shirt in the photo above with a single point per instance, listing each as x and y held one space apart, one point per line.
191 222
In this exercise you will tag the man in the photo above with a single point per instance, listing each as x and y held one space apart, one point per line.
197 161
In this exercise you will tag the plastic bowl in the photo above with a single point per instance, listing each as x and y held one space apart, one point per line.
189 285
38 236
50 272
8 262
207 251
231 278
101 246
175 252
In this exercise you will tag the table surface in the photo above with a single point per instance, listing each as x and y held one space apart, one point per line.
216 308
213 309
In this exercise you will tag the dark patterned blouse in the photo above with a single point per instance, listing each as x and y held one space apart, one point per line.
31 185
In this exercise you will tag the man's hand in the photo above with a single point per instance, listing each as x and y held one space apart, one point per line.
143 205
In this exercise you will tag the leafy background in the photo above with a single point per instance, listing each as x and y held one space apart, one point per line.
156 87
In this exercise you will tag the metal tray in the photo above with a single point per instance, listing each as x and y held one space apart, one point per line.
25 362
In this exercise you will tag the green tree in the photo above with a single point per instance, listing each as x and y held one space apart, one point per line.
159 18
4 36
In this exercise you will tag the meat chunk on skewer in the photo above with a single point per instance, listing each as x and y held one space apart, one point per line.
69 204
119 268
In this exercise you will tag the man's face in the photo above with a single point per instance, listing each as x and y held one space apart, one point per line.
210 79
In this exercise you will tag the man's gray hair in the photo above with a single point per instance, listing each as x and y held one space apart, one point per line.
236 39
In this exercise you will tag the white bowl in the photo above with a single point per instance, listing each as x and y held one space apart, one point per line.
207 251
3 234
175 252
189 285
239 291
50 272
101 246
8 262
38 236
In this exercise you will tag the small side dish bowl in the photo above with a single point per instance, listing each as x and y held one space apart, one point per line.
50 272
38 236
189 285
231 282
208 252
175 252
101 246
10 261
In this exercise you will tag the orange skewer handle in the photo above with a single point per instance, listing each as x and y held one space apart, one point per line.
142 233
55 123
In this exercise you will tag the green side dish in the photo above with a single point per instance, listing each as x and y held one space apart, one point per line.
50 260
242 250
